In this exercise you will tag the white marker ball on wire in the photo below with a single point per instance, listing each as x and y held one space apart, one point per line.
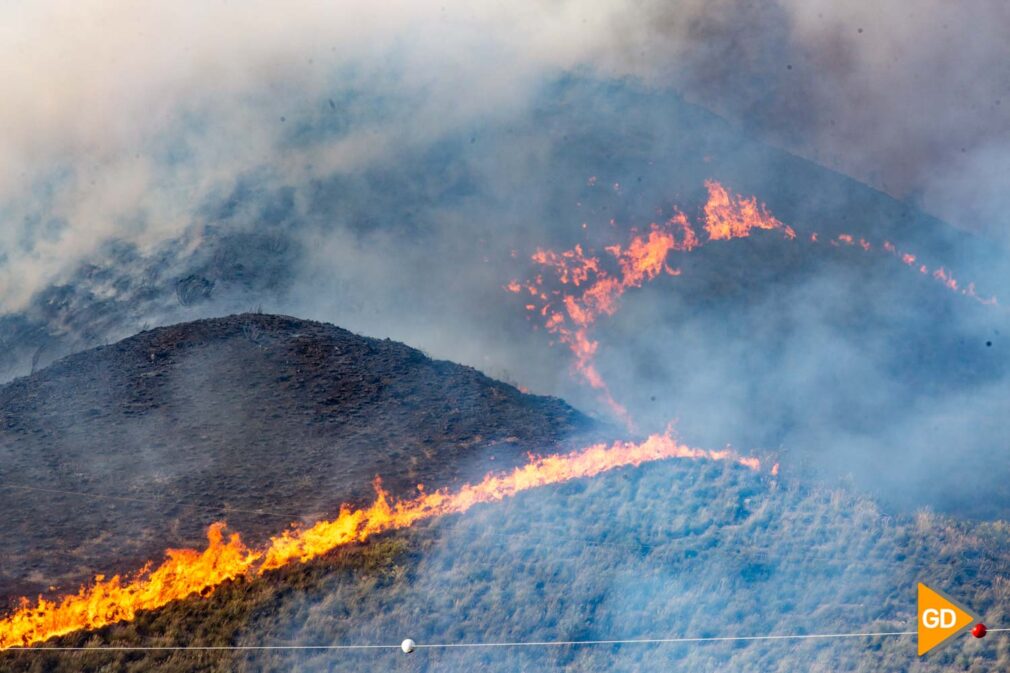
408 646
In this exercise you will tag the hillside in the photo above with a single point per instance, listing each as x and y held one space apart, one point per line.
263 420
666 550
111 455
261 239
557 336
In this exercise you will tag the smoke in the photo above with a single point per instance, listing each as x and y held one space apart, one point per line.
390 169
119 119
910 99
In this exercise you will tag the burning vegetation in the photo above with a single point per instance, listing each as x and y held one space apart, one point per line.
576 287
187 572
580 287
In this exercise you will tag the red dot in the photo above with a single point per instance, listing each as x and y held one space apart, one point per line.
979 631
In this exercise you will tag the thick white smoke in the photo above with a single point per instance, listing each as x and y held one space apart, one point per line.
118 117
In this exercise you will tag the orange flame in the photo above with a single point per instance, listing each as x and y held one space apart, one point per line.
183 573
941 274
588 289
728 216
569 316
189 572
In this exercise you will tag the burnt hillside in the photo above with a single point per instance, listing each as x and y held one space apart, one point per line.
260 420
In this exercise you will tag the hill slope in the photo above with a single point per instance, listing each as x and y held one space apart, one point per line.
346 246
177 427
292 417
669 549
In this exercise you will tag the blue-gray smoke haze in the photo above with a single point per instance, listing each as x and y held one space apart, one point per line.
390 170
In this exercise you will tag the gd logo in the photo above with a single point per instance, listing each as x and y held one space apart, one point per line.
940 619
944 618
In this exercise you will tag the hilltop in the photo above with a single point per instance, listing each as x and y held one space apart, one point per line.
260 420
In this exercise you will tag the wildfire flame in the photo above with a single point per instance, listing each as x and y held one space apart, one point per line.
188 572
593 291
641 260
940 273
728 216
586 287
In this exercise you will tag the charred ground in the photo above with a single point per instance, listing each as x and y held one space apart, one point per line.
259 420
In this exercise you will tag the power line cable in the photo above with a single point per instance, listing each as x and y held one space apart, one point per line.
435 646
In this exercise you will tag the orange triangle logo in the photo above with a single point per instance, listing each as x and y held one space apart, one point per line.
940 619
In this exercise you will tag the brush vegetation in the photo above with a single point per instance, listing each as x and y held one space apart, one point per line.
670 549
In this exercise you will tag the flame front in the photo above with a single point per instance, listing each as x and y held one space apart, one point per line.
183 573
586 287
189 572
570 314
